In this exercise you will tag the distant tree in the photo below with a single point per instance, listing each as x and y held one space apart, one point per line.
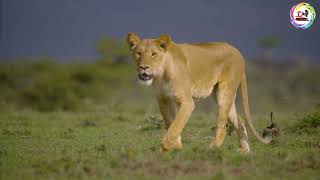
112 50
268 43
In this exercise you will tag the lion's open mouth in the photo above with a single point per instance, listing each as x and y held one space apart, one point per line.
144 76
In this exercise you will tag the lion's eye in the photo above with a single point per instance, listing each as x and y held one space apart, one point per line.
138 53
154 54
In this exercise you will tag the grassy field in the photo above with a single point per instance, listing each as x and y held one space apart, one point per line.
117 134
111 143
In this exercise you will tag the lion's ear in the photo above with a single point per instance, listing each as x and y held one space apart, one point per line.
164 41
133 40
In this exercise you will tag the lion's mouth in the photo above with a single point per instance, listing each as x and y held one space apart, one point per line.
144 76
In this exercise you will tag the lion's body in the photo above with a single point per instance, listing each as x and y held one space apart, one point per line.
206 64
181 72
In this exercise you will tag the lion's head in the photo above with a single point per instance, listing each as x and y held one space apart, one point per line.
148 56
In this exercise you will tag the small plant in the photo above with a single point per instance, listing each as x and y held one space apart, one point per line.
309 121
152 123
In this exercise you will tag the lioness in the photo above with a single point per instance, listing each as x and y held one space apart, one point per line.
181 72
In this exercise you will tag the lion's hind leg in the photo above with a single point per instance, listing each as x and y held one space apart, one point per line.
225 94
240 128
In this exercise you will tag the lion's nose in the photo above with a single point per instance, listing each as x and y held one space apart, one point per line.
144 67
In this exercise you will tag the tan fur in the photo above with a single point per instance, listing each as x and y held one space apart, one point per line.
182 72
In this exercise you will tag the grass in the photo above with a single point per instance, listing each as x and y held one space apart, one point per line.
92 121
109 143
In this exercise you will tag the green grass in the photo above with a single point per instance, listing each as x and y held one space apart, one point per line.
111 143
92 121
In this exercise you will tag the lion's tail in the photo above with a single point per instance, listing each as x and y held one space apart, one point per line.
245 103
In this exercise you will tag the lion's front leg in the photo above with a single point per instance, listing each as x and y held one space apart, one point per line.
172 139
168 108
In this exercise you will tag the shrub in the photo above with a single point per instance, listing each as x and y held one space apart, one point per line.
309 122
50 93
47 85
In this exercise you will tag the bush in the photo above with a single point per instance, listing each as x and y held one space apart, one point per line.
47 96
309 122
47 86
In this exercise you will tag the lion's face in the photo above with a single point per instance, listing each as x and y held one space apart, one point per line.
148 56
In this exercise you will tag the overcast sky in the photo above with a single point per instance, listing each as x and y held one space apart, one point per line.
70 28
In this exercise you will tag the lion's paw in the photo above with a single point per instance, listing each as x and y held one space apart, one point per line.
170 144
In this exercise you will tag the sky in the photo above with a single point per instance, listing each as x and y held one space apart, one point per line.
69 29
